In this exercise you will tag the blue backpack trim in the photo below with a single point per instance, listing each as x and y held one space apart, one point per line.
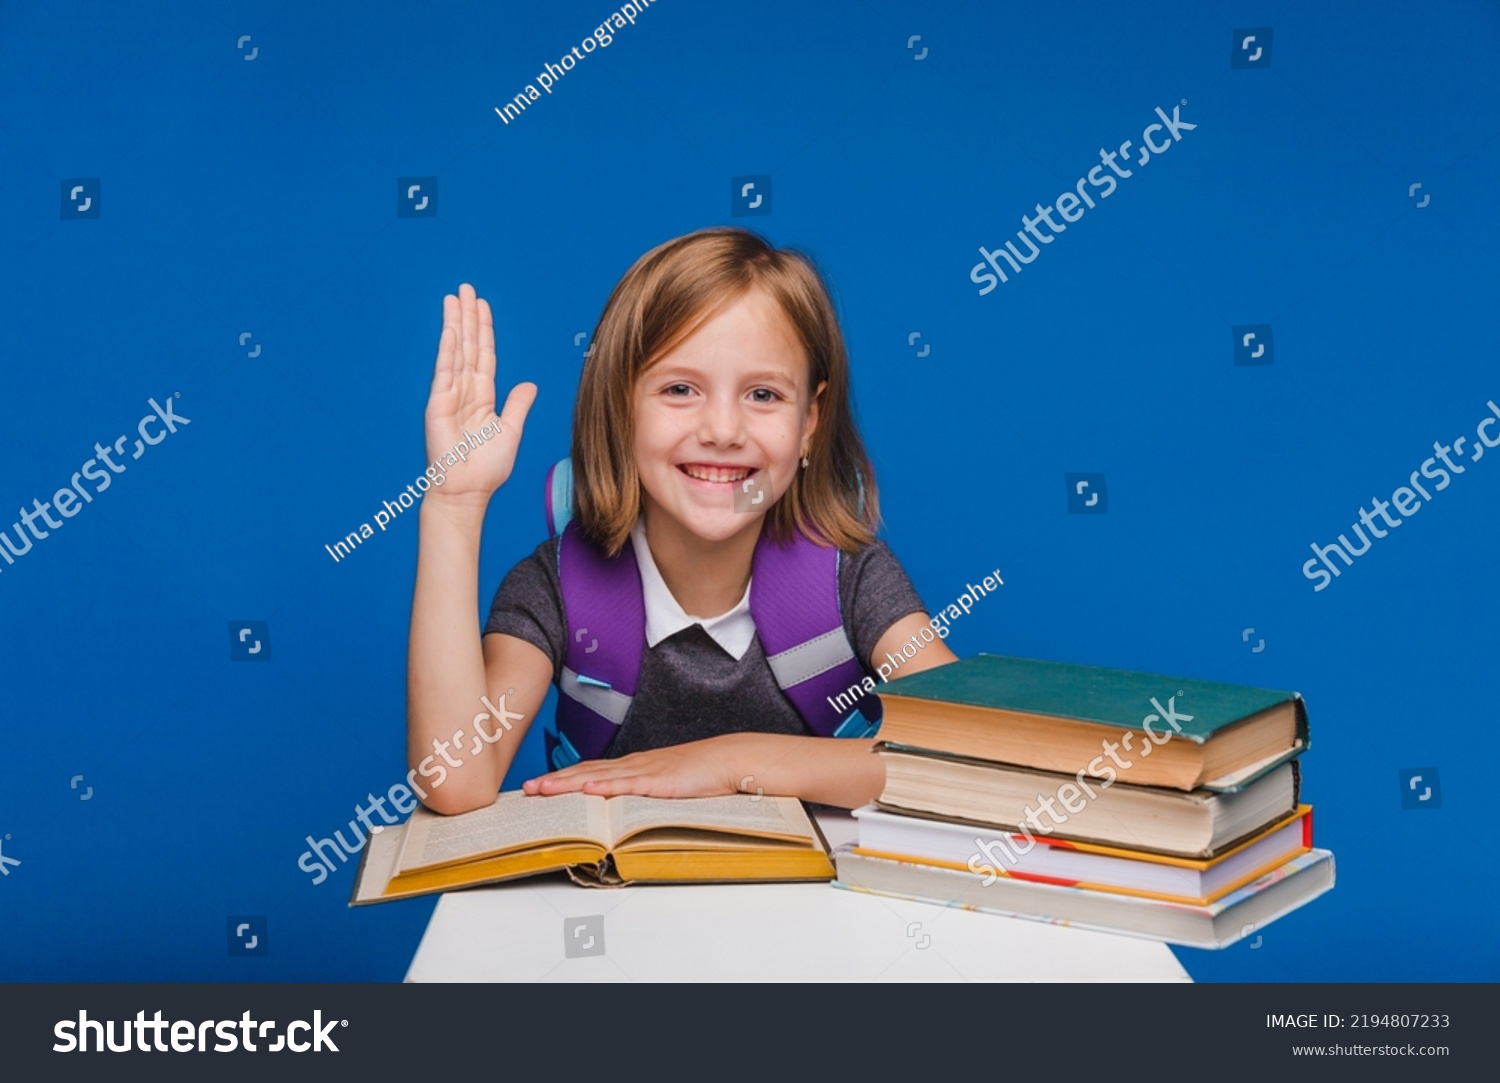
559 496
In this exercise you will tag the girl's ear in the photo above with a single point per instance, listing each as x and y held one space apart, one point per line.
812 410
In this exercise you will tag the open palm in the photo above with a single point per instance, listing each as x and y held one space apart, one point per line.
462 401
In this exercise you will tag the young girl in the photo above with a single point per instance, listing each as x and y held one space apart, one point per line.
721 544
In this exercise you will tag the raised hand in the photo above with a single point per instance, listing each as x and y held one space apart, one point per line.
462 401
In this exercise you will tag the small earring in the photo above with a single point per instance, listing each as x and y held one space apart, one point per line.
805 463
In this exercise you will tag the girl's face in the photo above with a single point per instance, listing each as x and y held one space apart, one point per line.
725 414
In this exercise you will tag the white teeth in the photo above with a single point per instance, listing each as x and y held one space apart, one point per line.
717 474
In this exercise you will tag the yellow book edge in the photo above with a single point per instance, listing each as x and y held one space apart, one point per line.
493 868
1201 864
701 866
1153 856
1111 851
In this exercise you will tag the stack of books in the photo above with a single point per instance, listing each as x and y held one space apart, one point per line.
1109 799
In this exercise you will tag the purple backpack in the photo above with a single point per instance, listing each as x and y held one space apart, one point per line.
794 602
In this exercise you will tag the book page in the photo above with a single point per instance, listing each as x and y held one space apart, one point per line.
740 814
693 839
513 822
377 865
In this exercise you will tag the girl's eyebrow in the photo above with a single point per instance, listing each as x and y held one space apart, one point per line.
661 372
772 374
777 375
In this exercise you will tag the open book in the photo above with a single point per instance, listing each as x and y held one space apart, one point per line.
600 841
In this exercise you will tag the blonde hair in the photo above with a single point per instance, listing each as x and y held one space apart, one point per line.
668 294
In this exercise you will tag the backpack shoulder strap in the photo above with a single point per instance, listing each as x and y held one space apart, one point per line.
794 601
604 614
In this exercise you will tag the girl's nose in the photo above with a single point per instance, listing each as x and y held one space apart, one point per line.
721 423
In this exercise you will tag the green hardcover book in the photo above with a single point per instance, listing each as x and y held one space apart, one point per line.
1114 724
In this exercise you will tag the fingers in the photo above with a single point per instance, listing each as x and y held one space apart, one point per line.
517 406
547 785
442 373
486 341
468 301
578 773
609 786
645 785
576 777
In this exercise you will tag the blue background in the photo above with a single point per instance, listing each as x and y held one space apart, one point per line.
259 196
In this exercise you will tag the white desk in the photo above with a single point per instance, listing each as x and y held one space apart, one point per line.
761 932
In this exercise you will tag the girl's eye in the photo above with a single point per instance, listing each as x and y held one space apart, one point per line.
771 395
674 389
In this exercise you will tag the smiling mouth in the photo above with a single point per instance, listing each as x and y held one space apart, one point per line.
726 475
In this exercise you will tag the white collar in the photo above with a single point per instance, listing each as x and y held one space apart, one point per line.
665 616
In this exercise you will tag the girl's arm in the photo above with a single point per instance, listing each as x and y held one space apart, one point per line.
827 770
469 703
458 747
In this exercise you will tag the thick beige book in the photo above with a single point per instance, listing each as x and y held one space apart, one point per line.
1198 824
598 840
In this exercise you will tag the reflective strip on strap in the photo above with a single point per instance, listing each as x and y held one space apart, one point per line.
797 664
605 702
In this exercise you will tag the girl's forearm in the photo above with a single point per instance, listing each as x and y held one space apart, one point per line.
445 674
835 771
